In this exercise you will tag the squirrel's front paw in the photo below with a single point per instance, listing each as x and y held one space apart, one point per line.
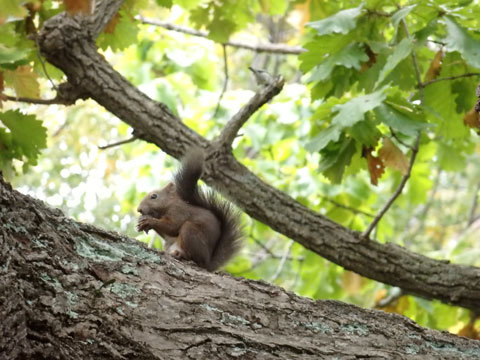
145 223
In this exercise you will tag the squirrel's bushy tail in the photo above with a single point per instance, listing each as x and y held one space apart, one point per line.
186 186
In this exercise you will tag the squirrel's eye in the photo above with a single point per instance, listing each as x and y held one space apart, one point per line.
153 196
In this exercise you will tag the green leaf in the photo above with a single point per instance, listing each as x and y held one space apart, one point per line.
450 158
125 34
332 133
27 134
350 57
458 39
440 107
365 132
402 50
220 30
165 3
399 121
187 4
336 158
13 8
222 19
8 35
274 7
321 47
10 55
204 74
353 111
342 22
400 14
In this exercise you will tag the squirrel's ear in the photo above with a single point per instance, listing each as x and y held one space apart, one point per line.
170 187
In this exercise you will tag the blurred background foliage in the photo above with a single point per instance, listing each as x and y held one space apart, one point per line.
350 99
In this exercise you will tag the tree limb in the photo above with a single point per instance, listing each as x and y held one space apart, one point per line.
270 48
70 291
32 100
231 129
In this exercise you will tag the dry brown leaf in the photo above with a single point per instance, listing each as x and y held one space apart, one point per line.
352 283
110 28
398 306
372 59
469 331
78 6
375 165
393 157
472 119
301 15
435 66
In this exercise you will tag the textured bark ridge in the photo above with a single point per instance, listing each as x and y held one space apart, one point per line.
72 291
68 43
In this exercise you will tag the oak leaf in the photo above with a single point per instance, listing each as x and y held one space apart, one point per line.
376 168
435 66
393 157
469 331
25 81
472 119
74 7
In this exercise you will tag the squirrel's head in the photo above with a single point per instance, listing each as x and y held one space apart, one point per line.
156 201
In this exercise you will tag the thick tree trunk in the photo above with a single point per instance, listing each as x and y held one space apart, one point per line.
73 291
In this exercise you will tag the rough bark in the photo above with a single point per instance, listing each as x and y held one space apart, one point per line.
72 291
67 43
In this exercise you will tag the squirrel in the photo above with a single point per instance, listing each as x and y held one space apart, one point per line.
195 224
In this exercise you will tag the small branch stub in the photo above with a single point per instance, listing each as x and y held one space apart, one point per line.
229 132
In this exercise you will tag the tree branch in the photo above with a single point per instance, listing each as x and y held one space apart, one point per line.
270 48
33 101
121 142
66 45
70 291
426 83
231 129
225 81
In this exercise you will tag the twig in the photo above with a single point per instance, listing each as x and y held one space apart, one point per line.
122 142
229 132
268 47
353 210
405 177
437 42
282 261
426 83
397 192
399 140
33 101
43 64
225 84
